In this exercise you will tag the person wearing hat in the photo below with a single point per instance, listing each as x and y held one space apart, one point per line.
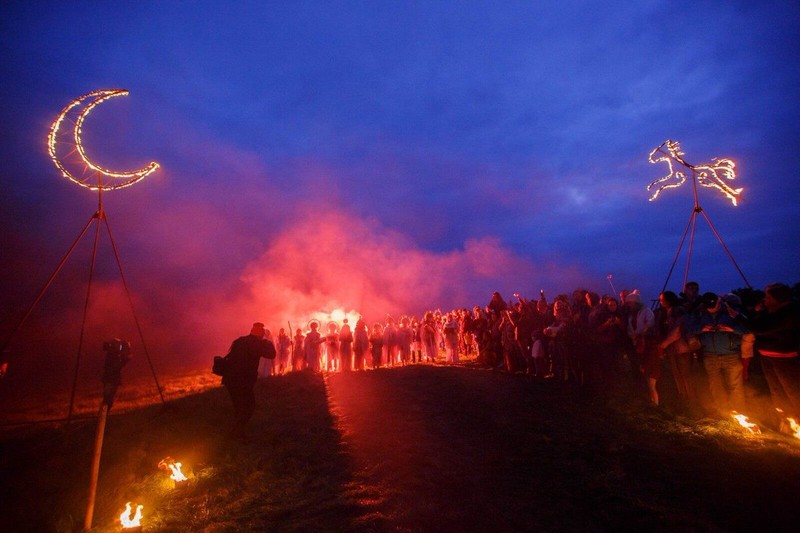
721 338
241 374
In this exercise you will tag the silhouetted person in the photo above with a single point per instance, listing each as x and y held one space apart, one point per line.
118 353
241 374
776 324
721 337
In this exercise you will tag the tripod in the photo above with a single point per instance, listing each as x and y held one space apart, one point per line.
693 224
100 217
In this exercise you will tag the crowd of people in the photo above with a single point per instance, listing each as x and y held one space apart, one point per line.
587 339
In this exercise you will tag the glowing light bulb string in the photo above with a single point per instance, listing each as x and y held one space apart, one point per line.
107 180
713 175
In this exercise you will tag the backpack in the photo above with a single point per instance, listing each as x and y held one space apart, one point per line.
219 365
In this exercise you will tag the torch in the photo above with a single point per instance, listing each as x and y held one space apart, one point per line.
613 290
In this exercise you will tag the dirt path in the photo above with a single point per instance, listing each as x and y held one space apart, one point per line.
454 449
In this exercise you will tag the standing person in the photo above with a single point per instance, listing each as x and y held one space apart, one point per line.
332 346
641 331
268 365
776 325
691 301
241 374
559 332
360 345
497 304
609 328
390 347
512 357
416 341
311 348
541 357
480 328
451 338
376 344
523 333
283 347
429 337
721 337
404 337
298 354
467 332
671 329
346 346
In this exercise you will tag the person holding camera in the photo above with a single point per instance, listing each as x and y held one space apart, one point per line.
721 338
241 374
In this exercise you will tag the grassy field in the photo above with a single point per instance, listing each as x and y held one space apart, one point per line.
421 448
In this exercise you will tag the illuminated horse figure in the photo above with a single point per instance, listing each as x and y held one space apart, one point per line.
707 175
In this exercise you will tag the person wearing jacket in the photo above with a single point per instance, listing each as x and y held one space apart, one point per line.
721 338
776 325
241 374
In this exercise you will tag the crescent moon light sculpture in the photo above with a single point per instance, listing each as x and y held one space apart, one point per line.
116 180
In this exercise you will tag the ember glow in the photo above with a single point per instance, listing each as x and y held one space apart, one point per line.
128 519
745 423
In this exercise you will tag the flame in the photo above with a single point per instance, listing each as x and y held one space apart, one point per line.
177 475
337 315
794 427
168 463
745 423
128 521
324 318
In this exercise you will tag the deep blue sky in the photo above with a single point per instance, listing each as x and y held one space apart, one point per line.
493 145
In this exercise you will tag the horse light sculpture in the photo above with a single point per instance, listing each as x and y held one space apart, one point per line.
712 175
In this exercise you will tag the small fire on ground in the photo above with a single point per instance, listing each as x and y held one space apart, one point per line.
745 423
171 465
791 424
130 519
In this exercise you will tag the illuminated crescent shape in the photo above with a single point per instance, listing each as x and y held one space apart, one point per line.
128 178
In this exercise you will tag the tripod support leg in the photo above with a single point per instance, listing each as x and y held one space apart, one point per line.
730 255
133 310
98 216
19 325
692 218
696 210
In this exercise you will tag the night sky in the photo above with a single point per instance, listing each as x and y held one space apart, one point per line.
387 157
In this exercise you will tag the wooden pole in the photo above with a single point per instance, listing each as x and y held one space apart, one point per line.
98 448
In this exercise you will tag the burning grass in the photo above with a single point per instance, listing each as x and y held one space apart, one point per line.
420 448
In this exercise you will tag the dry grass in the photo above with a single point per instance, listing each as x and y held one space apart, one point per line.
421 448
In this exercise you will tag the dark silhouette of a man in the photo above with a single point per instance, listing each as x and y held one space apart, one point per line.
241 374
